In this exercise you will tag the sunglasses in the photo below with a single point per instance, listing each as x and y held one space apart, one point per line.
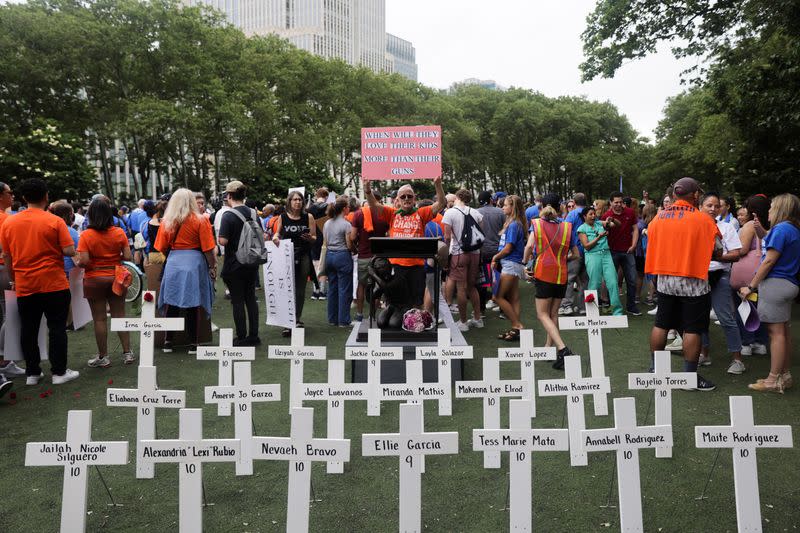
406 197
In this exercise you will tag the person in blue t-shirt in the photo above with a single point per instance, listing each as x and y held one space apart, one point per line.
576 268
507 263
776 281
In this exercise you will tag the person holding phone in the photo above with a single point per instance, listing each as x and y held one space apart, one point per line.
593 235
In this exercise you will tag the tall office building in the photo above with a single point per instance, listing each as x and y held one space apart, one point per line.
402 56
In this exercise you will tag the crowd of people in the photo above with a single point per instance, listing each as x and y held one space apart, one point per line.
693 257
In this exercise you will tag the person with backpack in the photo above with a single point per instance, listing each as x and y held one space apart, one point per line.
241 235
463 233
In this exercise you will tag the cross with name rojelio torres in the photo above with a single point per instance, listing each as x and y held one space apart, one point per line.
527 354
373 353
147 324
594 323
146 399
296 352
226 354
662 382
444 352
744 438
76 454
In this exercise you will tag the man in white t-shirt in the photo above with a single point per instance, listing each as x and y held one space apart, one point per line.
464 265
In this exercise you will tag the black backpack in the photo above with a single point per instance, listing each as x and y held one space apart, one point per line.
472 236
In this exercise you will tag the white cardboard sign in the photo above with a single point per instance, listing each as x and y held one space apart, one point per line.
279 284
373 353
225 354
297 352
12 327
81 311
444 352
527 354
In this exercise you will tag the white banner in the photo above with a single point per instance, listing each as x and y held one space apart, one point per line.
81 312
279 284
12 349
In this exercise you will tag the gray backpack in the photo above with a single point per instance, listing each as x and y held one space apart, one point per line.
251 250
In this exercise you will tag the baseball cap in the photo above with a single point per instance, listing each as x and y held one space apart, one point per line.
234 186
484 197
685 186
498 195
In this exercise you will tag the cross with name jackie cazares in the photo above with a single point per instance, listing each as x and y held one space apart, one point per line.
147 324
75 455
373 353
226 354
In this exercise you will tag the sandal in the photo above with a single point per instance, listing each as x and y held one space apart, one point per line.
773 383
511 335
503 335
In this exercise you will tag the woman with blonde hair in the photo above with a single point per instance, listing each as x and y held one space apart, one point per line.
777 286
187 282
508 264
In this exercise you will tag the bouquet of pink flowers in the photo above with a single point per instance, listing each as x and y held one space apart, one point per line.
417 320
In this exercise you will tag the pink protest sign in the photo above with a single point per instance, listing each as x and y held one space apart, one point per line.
406 152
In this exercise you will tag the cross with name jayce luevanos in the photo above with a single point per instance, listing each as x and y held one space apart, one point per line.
744 438
410 445
225 354
574 387
243 394
594 323
527 354
626 439
491 388
296 352
373 353
190 451
662 381
76 454
146 398
300 449
148 324
520 440
444 352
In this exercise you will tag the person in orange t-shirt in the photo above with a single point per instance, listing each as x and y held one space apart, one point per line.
187 282
101 248
34 244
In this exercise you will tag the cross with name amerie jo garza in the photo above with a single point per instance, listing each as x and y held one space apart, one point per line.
296 352
148 324
75 455
226 354
594 323
444 352
744 438
527 354
373 354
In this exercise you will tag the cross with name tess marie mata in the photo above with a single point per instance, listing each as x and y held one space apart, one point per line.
147 324
526 355
225 354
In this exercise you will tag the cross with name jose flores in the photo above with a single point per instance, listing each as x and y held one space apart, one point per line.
243 393
411 445
146 399
336 392
296 352
574 387
75 455
744 438
190 451
444 352
626 439
226 354
491 388
595 324
527 354
520 440
147 324
373 353
662 381
300 449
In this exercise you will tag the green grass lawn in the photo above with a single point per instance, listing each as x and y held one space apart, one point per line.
458 493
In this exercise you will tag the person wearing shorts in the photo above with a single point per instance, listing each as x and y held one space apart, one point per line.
508 264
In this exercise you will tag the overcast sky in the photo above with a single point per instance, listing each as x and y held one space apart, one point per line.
533 44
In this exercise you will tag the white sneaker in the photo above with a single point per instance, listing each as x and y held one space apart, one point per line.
564 311
491 304
758 348
128 358
712 315
33 380
671 334
654 312
746 350
475 323
462 326
454 308
704 360
675 346
99 362
11 370
69 375
736 367
717 323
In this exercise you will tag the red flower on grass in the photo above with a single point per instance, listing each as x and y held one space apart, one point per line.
77 394
589 298
13 395
148 297
110 381
42 395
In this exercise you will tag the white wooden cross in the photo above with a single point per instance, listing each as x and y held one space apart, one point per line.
146 399
190 451
626 439
520 440
336 392
574 387
594 323
491 388
300 449
411 444
444 352
226 354
744 438
527 354
662 381
147 324
75 455
297 352
243 393
373 353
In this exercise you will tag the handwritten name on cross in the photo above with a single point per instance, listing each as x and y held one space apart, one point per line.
300 449
373 353
444 352
243 394
147 324
527 354
744 438
662 381
411 445
146 399
520 440
225 354
75 455
626 439
296 352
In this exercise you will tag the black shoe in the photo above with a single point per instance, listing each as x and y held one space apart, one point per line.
560 355
315 295
167 348
635 312
704 385
240 341
5 386
253 341
286 332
